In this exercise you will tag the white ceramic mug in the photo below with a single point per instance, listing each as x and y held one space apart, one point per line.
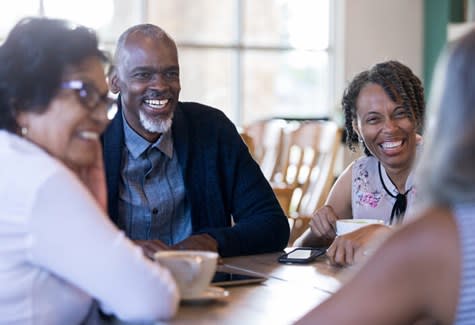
344 226
192 270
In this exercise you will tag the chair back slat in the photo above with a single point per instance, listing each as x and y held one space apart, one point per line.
298 159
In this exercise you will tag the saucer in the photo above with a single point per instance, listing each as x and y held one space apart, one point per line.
210 293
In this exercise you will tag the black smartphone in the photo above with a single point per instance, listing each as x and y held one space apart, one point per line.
225 279
302 255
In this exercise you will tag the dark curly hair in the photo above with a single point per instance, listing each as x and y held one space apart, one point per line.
33 61
399 83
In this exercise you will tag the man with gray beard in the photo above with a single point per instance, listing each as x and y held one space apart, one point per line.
178 173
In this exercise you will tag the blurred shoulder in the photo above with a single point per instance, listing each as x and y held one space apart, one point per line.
428 242
198 110
23 159
26 170
433 232
434 259
204 119
366 162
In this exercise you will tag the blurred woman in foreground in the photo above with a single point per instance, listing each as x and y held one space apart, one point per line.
426 269
58 249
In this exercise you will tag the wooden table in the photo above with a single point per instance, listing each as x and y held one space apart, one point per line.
289 292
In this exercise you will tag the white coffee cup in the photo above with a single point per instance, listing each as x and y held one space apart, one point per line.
192 270
344 226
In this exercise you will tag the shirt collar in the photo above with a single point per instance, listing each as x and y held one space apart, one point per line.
138 145
388 183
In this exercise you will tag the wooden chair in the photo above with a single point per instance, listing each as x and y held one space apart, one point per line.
307 173
267 142
248 141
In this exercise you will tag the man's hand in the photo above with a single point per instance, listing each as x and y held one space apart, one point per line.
198 242
348 249
150 247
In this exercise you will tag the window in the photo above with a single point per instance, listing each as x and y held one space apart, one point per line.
13 11
108 17
251 59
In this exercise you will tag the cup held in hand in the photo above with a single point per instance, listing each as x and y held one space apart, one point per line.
192 270
344 226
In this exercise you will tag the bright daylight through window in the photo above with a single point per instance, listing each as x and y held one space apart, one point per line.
251 59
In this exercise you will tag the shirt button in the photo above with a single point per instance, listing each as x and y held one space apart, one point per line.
154 210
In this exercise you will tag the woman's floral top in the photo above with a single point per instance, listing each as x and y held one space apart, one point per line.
369 198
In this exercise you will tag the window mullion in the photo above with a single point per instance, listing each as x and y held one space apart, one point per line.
238 65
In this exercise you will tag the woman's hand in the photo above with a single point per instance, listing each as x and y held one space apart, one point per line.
323 223
349 248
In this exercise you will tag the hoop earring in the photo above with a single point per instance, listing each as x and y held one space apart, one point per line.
24 131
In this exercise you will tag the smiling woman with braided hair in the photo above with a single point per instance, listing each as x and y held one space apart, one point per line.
424 273
384 112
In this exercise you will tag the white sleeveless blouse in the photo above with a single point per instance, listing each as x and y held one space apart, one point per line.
369 199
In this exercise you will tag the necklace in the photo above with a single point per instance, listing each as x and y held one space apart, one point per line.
399 207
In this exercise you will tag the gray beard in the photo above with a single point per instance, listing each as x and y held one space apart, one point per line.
155 125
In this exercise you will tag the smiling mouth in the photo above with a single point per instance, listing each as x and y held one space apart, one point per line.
391 145
89 135
156 103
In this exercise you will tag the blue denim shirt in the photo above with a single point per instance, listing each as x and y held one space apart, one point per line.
152 201
221 179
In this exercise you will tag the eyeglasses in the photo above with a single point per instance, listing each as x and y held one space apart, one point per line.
89 96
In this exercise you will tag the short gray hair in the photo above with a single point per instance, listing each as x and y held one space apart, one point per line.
149 30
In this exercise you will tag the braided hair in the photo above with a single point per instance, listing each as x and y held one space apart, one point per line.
399 83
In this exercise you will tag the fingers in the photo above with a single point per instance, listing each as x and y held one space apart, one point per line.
150 247
349 255
196 242
201 242
342 251
156 245
317 227
331 253
327 225
323 223
149 252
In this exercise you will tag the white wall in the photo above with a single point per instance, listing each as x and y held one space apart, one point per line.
378 30
371 31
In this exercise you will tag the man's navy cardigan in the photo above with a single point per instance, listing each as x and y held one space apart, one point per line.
221 180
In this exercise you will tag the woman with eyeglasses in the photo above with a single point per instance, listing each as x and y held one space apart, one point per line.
58 249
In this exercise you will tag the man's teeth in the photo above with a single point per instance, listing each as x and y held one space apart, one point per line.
156 103
390 145
89 135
